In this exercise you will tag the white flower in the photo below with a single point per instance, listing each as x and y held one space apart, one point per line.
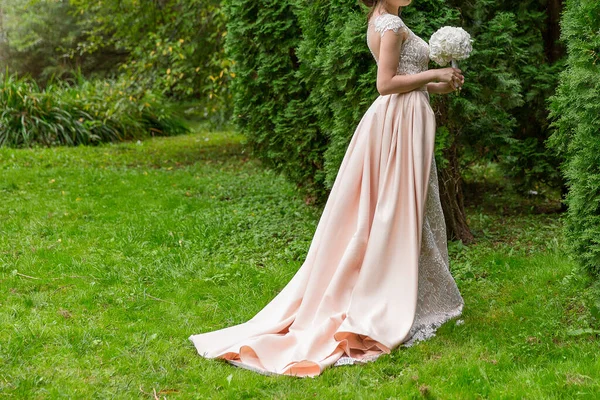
449 43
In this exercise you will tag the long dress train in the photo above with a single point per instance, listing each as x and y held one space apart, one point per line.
376 273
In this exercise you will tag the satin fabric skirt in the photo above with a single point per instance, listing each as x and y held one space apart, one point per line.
355 295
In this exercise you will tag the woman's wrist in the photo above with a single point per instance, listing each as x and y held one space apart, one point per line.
439 88
434 87
433 75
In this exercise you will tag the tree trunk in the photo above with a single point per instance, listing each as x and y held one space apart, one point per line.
452 198
450 180
2 37
553 48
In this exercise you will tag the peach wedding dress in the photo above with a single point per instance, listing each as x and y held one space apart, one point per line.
376 274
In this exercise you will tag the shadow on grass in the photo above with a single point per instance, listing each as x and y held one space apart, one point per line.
224 153
486 189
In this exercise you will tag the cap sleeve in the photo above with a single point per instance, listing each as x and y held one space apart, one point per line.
389 22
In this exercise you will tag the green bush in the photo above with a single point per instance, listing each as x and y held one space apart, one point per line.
339 71
332 82
535 61
85 113
183 56
576 110
172 46
271 105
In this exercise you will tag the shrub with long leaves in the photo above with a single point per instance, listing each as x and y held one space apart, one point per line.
86 112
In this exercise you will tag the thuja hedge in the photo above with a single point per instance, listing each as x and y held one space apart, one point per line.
576 109
271 94
305 77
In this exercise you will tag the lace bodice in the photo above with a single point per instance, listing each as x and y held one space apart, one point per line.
414 53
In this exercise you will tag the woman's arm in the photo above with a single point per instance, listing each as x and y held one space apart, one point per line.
387 80
443 87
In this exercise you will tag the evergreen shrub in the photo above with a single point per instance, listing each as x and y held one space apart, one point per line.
315 52
271 97
576 112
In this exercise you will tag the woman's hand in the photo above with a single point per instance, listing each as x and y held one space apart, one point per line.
446 87
451 76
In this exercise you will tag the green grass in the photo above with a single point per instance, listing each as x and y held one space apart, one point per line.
112 256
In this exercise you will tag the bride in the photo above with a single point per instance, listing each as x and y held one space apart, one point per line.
376 275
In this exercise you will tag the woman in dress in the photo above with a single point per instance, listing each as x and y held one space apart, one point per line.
376 274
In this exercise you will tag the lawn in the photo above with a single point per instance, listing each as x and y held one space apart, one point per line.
112 256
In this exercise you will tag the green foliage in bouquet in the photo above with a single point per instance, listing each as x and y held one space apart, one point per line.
576 112
87 112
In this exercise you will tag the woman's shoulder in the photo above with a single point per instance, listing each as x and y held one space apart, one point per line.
384 22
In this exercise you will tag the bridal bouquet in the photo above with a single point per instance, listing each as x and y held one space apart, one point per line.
450 44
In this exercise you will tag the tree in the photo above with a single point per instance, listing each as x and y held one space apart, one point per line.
501 114
42 39
174 46
271 94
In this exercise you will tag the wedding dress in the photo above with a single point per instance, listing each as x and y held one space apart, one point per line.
376 275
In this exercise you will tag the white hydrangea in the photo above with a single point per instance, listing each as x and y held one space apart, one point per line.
449 44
